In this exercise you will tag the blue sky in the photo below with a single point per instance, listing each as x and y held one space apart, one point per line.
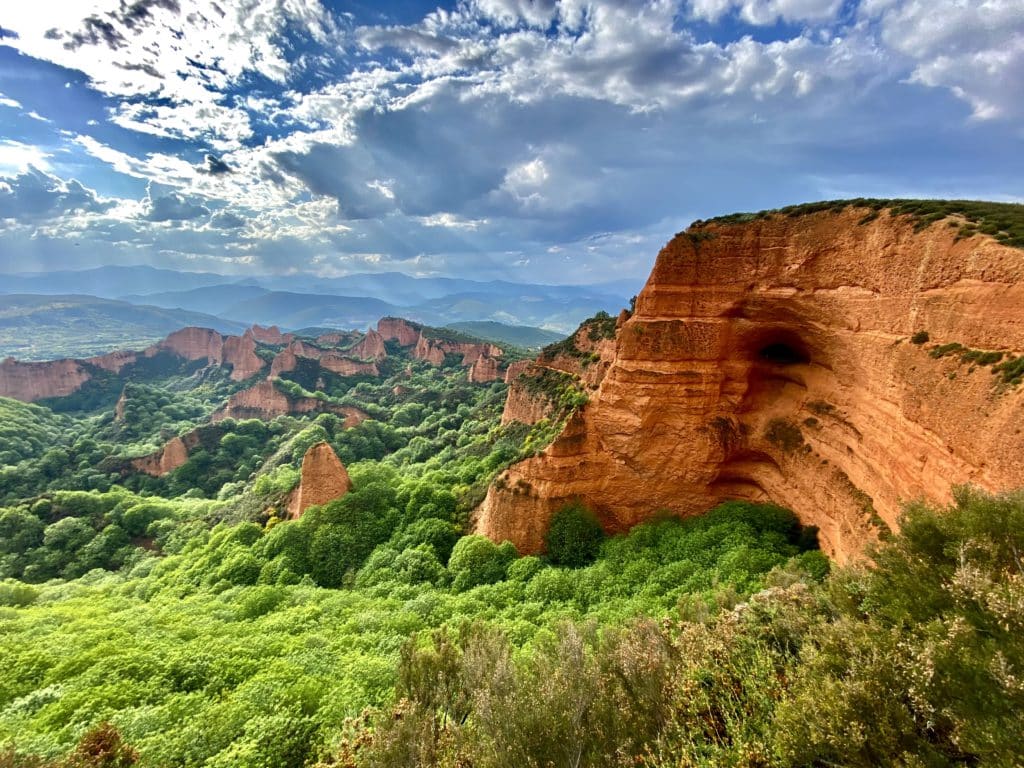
558 141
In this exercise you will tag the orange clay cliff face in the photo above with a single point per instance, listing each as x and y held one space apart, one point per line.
772 360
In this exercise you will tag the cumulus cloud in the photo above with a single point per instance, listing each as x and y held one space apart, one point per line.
763 12
976 50
164 205
36 196
499 130
183 53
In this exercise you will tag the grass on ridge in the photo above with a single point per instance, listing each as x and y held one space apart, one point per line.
1002 221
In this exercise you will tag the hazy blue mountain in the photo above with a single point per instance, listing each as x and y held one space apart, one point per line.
107 282
295 310
500 333
48 327
211 298
352 301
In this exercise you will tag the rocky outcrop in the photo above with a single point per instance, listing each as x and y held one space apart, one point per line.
284 361
397 329
271 335
324 479
29 382
370 347
523 403
192 344
585 356
433 350
113 361
119 407
770 360
265 401
428 350
173 455
240 353
484 369
515 369
343 365
346 366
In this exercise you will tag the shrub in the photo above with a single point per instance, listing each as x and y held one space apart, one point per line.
574 537
919 338
477 560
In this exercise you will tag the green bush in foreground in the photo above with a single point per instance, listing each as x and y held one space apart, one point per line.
913 662
574 537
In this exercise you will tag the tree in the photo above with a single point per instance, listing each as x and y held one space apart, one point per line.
477 560
574 537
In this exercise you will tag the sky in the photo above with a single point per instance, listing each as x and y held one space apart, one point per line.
554 141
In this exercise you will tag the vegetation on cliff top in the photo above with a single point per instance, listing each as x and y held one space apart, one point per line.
1003 221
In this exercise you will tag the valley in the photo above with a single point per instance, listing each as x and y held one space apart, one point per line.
696 531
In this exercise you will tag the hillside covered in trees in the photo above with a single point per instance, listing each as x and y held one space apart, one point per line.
182 618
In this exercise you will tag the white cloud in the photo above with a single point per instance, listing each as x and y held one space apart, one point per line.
17 157
451 221
35 195
975 49
184 52
765 12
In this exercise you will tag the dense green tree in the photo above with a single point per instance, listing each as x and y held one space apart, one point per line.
574 537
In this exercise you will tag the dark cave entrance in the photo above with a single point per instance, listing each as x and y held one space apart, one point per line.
784 352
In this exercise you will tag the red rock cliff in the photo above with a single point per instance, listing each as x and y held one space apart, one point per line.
771 361
265 401
324 479
192 344
240 353
370 347
29 382
271 335
397 329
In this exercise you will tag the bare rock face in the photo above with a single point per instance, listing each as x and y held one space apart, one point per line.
284 361
343 365
771 361
29 382
484 369
346 366
240 353
522 403
514 369
113 361
265 401
397 329
119 407
371 347
429 350
271 335
173 455
192 344
587 358
434 350
324 479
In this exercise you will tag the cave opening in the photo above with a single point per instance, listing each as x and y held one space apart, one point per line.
784 353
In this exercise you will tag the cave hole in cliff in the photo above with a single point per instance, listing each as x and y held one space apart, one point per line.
784 351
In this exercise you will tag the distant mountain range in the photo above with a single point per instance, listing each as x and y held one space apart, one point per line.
516 335
88 311
48 327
